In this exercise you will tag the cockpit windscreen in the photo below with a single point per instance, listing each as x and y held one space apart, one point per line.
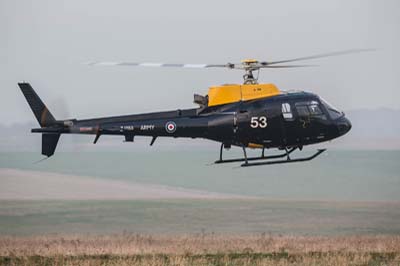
333 112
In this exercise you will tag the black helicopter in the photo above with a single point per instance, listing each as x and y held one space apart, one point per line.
249 115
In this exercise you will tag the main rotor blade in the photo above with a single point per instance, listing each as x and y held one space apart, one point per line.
337 53
287 66
153 64
244 65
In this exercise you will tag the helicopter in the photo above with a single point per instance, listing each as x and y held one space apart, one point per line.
248 115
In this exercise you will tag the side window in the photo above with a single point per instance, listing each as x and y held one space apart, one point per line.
287 112
310 109
302 110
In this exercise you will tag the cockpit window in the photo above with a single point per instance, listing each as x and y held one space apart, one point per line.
309 109
333 112
314 109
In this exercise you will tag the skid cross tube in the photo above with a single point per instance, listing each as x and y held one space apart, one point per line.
262 157
309 158
245 154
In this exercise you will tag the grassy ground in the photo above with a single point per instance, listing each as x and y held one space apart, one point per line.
239 259
201 249
199 232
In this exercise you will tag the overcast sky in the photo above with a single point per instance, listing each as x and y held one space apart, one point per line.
46 42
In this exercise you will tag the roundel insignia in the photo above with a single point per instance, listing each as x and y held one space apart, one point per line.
170 127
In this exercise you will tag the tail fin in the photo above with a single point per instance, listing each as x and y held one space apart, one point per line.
42 113
49 143
43 116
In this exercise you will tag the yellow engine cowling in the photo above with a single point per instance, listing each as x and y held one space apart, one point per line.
230 93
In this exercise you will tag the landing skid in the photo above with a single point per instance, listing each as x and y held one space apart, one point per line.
262 157
265 160
309 158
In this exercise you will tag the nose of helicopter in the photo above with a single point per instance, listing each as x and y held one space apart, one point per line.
344 125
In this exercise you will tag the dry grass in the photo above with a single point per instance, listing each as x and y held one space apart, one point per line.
201 249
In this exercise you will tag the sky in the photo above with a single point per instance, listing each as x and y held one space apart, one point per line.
46 43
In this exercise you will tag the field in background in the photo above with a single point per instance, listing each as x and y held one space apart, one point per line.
257 216
188 216
200 249
335 175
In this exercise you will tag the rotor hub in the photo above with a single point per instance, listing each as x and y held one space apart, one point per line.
250 65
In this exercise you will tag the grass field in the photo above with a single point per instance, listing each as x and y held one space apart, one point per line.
207 229
200 249
199 232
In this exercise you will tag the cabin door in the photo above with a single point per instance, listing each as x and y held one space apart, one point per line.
290 133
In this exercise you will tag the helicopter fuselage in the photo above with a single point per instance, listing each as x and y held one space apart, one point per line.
286 120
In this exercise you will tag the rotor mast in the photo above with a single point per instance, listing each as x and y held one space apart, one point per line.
250 65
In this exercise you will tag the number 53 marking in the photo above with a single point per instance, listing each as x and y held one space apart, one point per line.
258 122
